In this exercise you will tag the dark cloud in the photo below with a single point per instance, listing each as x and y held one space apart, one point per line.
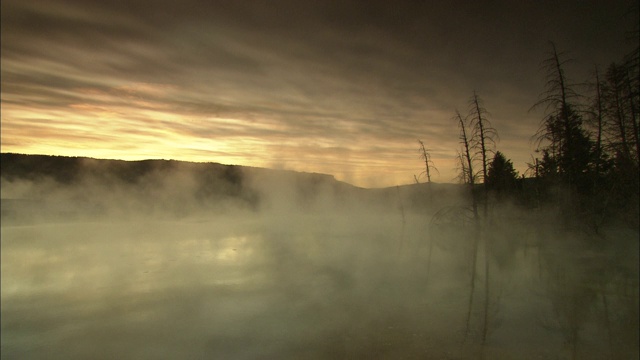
353 75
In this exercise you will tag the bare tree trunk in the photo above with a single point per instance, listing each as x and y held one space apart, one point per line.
403 220
634 115
607 323
599 117
484 136
480 123
562 86
476 234
487 280
428 165
470 179
472 289
620 120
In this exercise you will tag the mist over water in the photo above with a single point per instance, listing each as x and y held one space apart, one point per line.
283 268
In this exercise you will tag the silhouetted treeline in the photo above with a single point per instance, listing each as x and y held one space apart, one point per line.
588 148
587 178
589 143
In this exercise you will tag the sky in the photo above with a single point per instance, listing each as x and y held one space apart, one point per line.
337 87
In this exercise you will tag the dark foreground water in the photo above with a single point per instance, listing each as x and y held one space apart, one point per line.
314 287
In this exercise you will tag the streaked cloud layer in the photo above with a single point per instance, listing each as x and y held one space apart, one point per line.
336 87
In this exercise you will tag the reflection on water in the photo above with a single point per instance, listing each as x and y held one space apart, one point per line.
308 289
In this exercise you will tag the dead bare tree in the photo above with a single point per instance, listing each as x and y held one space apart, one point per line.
561 132
428 164
468 176
484 138
618 111
598 120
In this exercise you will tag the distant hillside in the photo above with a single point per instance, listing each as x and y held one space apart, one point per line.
30 181
70 170
80 186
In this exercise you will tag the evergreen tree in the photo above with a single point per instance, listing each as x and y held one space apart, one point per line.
501 176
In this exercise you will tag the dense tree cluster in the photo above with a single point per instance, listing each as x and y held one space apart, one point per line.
587 145
586 176
589 142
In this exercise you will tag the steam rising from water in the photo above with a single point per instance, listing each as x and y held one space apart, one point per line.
151 270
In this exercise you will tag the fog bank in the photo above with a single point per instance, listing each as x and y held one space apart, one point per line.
172 261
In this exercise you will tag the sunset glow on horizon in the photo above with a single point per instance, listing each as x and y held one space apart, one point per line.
336 88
